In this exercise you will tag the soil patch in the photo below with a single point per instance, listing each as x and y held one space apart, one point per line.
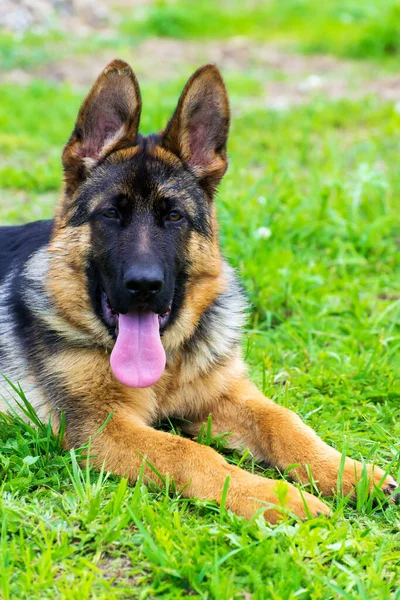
287 78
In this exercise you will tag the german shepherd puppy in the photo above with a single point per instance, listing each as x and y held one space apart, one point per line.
123 304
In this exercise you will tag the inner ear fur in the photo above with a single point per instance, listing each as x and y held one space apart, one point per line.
108 120
198 130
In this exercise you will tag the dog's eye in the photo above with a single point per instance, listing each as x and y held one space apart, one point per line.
110 213
174 216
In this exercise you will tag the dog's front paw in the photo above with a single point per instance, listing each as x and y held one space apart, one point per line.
277 499
305 505
354 472
386 483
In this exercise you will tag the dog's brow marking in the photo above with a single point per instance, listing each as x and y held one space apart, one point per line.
95 201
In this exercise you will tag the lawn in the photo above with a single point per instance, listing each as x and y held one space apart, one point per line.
309 213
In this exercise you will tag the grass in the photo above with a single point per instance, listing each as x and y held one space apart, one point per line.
69 533
309 216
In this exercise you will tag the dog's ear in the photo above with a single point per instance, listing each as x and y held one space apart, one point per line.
108 120
198 130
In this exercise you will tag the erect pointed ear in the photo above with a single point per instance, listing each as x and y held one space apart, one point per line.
198 130
108 120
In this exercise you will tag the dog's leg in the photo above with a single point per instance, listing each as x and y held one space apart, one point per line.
278 436
197 470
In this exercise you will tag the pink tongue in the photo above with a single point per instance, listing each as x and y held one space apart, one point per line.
138 357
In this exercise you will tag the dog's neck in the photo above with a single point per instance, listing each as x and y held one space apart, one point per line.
218 333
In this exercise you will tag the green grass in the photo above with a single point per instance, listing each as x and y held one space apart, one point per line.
69 533
309 216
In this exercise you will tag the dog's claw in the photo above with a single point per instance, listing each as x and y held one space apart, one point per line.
389 488
319 513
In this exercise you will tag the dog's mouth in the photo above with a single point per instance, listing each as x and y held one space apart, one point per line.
111 317
138 357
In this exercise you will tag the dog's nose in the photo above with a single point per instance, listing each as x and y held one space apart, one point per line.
144 283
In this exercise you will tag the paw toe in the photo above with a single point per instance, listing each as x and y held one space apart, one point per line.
389 486
318 508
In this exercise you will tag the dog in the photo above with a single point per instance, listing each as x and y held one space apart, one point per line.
122 305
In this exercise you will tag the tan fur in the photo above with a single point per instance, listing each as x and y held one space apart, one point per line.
193 385
66 280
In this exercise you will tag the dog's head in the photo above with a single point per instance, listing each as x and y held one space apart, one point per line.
137 219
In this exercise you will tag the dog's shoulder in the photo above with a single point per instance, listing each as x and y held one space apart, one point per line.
19 242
